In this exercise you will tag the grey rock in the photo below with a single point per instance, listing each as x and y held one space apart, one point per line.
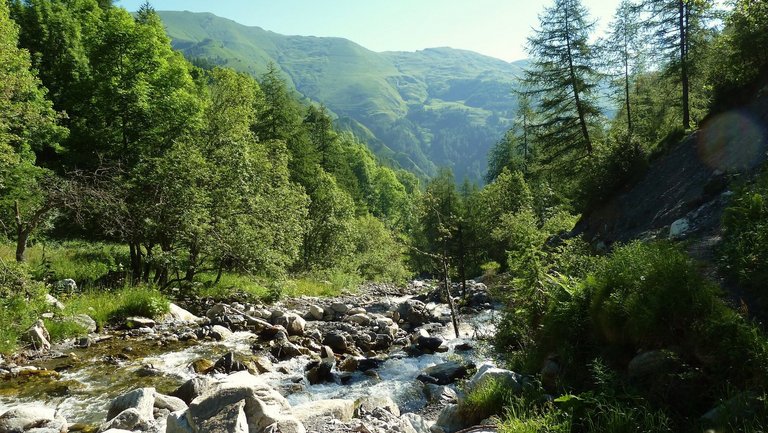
340 308
139 322
339 341
85 321
19 419
66 285
228 364
368 403
141 399
173 404
193 388
178 314
359 318
230 419
219 332
487 372
293 323
53 302
445 373
177 423
316 312
339 409
416 421
38 336
263 407
128 419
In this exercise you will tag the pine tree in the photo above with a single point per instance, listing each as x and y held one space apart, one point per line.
674 25
561 79
621 51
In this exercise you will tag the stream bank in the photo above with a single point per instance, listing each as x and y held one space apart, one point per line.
389 354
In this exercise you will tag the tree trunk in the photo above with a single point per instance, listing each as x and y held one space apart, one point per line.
22 234
447 284
22 237
683 23
136 262
219 272
462 263
194 253
574 85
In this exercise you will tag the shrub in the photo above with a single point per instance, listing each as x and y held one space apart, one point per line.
489 398
648 295
21 302
744 253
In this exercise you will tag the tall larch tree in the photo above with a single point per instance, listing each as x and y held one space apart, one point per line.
561 79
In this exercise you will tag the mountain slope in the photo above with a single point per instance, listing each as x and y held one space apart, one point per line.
431 108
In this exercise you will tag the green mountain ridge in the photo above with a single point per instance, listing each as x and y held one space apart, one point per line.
421 110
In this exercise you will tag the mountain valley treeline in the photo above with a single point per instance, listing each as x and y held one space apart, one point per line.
132 169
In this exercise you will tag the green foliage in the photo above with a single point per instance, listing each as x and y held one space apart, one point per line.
378 256
106 307
744 253
21 302
491 397
738 60
84 262
62 329
433 108
648 295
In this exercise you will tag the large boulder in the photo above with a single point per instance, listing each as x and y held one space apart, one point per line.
368 403
230 418
488 372
445 373
129 419
340 409
316 312
171 403
141 399
263 407
38 336
418 424
84 321
20 419
414 312
450 420
339 341
51 301
293 323
219 332
139 322
178 314
228 364
193 388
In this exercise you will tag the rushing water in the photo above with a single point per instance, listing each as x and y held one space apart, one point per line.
84 389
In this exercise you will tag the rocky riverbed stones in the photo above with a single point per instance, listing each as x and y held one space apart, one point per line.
22 419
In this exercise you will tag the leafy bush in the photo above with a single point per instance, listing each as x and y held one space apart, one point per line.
648 295
377 255
744 253
21 302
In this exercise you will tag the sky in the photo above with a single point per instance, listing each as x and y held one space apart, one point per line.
496 28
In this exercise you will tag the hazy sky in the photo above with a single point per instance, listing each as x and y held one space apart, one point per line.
496 28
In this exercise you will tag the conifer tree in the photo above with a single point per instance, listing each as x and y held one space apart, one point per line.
561 79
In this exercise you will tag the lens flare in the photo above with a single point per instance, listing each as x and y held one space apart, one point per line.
732 141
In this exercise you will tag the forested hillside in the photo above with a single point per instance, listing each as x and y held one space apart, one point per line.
132 176
434 108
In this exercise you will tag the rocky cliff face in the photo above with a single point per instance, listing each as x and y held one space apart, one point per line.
684 191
